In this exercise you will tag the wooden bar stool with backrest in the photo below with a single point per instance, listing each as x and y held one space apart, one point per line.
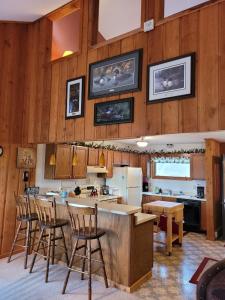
25 214
84 225
48 222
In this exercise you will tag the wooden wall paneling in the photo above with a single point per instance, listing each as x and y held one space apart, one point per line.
139 125
70 124
221 65
93 22
89 115
54 101
208 69
2 63
112 131
189 37
170 109
100 131
155 54
61 122
153 9
127 45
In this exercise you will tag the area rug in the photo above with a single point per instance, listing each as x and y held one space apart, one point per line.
204 265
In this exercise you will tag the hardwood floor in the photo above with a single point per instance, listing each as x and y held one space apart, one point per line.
170 278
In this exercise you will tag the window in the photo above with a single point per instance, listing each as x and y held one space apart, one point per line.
118 17
172 167
174 6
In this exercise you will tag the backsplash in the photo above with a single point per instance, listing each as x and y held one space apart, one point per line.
188 187
49 184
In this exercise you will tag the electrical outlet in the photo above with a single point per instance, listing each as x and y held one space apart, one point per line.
149 25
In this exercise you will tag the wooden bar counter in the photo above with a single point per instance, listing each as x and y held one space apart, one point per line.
128 242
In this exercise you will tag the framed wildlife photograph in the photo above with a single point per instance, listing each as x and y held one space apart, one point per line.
75 97
171 79
115 75
114 112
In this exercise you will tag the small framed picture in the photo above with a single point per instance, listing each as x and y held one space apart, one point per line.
26 158
114 112
171 79
115 75
75 97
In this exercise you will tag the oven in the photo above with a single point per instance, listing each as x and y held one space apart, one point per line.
192 214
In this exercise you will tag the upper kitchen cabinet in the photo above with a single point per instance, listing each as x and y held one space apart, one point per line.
198 166
108 154
125 158
117 158
79 163
144 163
93 157
134 160
63 166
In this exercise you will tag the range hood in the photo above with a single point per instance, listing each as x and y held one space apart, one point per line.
96 169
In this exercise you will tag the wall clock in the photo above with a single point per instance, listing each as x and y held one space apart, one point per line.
1 150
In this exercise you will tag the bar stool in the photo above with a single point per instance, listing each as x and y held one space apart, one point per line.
26 215
48 222
85 228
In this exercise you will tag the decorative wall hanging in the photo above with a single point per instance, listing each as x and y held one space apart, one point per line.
75 97
118 74
26 158
171 79
114 112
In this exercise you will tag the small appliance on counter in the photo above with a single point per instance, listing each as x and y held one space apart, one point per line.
77 191
200 192
94 193
145 184
105 190
32 190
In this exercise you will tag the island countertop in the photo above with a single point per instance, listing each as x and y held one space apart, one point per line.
104 206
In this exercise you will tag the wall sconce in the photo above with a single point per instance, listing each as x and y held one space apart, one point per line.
75 159
102 160
67 52
52 161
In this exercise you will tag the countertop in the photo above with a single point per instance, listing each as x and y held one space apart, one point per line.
174 196
114 208
141 218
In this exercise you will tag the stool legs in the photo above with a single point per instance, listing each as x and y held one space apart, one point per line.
89 271
15 240
49 254
84 260
103 264
38 247
27 244
64 243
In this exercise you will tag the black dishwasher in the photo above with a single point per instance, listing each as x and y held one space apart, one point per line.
192 214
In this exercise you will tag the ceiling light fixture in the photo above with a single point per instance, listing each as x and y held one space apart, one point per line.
142 143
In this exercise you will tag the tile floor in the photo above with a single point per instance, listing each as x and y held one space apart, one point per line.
170 278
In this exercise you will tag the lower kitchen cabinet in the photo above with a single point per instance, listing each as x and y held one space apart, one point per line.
203 216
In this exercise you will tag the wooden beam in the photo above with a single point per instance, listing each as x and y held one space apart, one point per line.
93 22
153 9
64 10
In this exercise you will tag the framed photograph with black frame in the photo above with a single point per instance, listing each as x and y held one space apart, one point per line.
115 75
75 97
171 79
114 112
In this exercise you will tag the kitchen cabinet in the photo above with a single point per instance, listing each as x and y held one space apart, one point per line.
203 216
109 165
143 163
134 160
150 198
169 199
80 170
63 167
117 157
125 158
93 157
198 166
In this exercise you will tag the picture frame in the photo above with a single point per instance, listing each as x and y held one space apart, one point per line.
114 112
75 89
26 158
171 79
115 75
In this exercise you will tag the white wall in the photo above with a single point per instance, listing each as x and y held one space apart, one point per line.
117 17
175 6
48 184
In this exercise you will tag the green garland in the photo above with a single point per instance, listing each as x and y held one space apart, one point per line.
153 153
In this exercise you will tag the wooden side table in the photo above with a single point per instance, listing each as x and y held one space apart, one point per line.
170 210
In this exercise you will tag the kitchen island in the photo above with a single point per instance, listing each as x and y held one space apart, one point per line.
128 242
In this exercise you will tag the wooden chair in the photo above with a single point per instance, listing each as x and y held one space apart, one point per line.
85 228
25 214
48 222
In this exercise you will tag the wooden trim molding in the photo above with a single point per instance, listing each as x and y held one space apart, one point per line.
64 10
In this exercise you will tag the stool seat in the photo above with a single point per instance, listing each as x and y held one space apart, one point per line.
85 235
28 217
54 224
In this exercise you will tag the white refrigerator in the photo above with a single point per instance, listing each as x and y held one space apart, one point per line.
129 182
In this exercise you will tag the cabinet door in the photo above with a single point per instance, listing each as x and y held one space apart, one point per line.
125 158
109 164
80 170
92 157
203 216
143 163
117 158
49 170
198 166
105 152
63 168
134 160
169 199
